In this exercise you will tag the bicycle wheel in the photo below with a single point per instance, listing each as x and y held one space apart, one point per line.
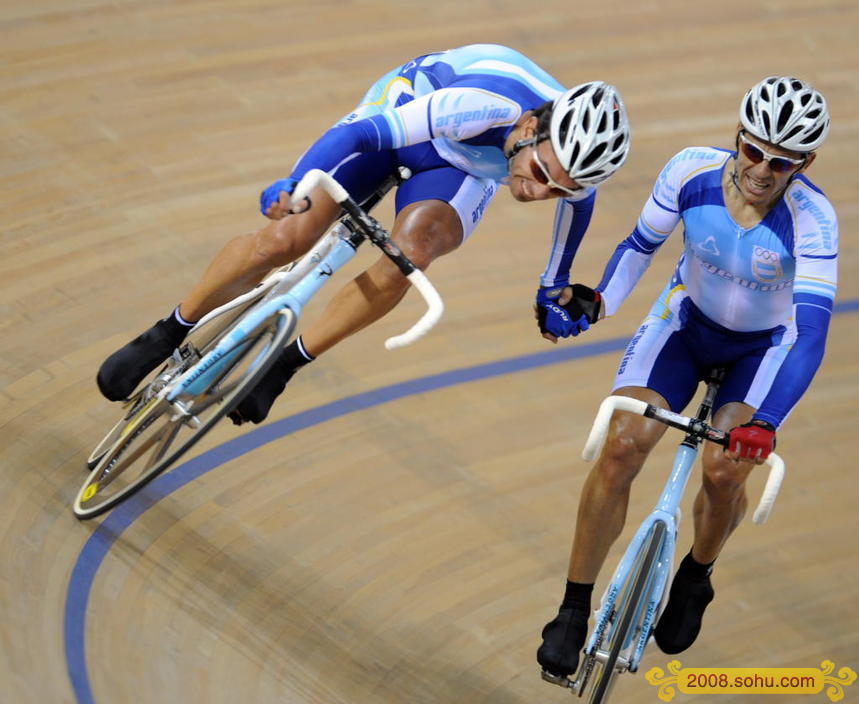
159 432
629 613
199 341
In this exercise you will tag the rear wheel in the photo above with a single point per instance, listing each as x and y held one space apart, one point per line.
158 432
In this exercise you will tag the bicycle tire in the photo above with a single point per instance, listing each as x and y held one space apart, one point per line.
625 619
84 507
203 337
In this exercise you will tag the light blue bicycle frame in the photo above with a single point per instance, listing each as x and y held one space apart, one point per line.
667 512
206 371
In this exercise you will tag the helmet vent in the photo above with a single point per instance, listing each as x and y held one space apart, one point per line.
581 91
603 122
784 116
594 154
564 128
814 136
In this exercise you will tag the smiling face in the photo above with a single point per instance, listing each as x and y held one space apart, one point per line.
761 172
535 172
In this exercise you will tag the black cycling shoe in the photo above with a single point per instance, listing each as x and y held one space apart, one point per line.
680 623
254 407
120 373
563 639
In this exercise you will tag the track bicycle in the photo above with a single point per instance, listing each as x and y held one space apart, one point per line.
636 595
231 349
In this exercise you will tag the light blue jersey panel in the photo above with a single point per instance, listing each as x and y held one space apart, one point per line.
740 278
489 68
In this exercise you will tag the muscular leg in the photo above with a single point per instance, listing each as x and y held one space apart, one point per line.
721 502
605 496
424 230
602 512
246 259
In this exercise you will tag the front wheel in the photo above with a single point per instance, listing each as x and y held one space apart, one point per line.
159 432
629 613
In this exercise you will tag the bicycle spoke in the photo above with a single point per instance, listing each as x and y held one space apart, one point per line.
167 437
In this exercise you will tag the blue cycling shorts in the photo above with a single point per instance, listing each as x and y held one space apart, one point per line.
677 345
432 178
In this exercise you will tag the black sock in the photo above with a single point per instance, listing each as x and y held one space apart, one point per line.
578 596
295 355
690 566
176 327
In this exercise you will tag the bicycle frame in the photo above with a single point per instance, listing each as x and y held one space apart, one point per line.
667 511
209 368
295 288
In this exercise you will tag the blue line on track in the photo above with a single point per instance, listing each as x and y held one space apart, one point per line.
100 542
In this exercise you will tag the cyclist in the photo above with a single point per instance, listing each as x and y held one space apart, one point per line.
462 121
753 291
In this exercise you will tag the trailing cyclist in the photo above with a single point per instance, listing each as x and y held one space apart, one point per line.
753 292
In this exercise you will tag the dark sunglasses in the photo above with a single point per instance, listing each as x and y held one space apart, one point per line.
541 175
756 155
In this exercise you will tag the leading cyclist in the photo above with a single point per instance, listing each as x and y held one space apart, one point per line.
462 121
753 292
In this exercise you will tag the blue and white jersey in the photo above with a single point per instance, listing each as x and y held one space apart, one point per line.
465 101
779 275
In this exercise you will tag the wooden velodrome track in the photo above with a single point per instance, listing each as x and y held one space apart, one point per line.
409 544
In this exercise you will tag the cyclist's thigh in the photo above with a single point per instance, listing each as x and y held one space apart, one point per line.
467 195
752 376
426 230
362 175
658 358
645 431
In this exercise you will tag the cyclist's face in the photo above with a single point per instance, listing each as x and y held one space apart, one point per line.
757 180
536 174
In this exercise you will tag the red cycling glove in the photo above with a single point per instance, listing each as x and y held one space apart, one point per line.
753 439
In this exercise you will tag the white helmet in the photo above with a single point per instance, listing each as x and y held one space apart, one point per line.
787 112
590 132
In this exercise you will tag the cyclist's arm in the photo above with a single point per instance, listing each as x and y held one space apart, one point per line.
631 258
572 218
452 113
813 298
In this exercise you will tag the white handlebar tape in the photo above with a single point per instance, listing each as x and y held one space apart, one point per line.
599 431
435 308
317 177
771 489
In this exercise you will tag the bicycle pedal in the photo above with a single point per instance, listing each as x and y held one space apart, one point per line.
559 680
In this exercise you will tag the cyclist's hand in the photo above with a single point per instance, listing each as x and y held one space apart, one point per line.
274 200
751 441
566 311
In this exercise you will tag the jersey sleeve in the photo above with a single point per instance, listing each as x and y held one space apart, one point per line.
814 288
572 217
632 257
456 113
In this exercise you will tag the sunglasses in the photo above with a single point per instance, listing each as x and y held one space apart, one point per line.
756 155
541 175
